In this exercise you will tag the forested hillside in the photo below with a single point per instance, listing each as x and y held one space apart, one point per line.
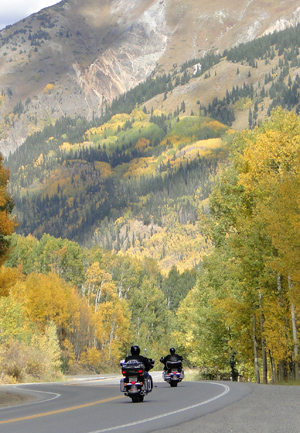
126 184
132 174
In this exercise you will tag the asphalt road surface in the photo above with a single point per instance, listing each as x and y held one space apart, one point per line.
96 406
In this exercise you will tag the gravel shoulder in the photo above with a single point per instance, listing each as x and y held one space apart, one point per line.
11 398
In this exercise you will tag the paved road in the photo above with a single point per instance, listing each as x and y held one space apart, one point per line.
267 409
96 406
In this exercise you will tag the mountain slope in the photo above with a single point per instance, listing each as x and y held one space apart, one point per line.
135 180
133 184
75 57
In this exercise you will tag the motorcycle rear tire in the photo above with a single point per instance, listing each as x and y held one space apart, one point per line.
173 384
137 398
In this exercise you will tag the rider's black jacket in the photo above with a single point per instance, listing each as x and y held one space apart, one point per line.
146 361
173 358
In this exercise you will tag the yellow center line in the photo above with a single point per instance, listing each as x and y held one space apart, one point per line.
54 412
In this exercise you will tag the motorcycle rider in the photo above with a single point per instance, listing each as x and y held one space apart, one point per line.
172 357
148 362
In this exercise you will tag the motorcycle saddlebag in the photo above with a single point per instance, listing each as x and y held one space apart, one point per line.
131 367
177 365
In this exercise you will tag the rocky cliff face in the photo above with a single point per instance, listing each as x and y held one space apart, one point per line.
134 43
76 56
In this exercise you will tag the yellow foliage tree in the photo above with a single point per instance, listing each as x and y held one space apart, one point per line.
95 285
49 88
8 278
112 325
48 298
270 176
113 329
256 205
13 321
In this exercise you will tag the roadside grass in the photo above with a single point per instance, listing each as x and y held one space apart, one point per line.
287 382
191 374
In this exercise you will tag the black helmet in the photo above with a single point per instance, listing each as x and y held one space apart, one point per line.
135 350
172 351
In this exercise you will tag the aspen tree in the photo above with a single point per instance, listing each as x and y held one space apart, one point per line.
270 174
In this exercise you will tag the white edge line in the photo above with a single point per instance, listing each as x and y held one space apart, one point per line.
227 389
55 395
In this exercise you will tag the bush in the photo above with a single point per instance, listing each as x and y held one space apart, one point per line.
39 360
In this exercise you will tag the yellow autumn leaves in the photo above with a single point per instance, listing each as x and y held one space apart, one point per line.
37 306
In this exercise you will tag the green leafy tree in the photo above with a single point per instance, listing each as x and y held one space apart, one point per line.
150 318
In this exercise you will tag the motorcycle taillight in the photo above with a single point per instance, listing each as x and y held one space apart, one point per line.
124 373
140 371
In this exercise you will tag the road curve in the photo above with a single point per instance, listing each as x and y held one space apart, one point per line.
98 406
267 409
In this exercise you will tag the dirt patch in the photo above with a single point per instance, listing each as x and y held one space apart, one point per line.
13 398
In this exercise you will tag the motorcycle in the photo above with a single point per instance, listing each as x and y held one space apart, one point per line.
136 382
174 373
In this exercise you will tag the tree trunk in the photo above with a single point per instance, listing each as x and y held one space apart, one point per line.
255 350
273 367
263 351
282 371
294 328
111 337
263 344
282 367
